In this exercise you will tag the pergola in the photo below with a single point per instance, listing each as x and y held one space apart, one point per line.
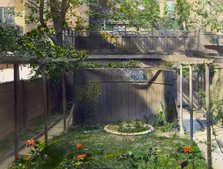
178 59
191 62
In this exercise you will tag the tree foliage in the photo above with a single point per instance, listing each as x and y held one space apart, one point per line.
37 43
138 13
9 40
168 21
101 11
210 14
135 13
182 13
52 15
45 42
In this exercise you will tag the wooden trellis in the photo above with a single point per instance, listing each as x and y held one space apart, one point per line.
16 61
207 96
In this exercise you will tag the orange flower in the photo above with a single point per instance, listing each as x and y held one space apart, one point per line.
187 149
81 156
79 145
30 142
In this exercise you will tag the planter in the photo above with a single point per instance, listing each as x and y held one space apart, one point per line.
129 129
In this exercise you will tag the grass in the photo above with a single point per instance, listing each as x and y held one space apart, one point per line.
106 148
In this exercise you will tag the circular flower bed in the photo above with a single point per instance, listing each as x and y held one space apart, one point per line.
130 128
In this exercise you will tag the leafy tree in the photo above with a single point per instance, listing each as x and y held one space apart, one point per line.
138 13
209 14
101 11
46 41
9 40
168 21
52 15
182 13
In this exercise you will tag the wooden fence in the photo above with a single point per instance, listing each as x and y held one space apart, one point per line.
123 94
126 42
30 103
109 42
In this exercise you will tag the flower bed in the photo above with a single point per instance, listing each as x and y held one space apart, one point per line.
130 128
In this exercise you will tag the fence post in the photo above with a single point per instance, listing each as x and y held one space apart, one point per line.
16 83
45 103
64 101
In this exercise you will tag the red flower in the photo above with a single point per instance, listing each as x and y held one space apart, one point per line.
79 145
81 156
187 149
30 142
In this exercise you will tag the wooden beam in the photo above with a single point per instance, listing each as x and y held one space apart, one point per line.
181 101
64 101
16 84
45 104
29 59
191 101
208 115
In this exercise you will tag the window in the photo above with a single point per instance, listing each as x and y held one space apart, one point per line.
7 15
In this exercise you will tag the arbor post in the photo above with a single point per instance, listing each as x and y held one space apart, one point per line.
191 101
208 115
181 101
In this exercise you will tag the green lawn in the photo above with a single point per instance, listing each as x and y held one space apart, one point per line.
116 152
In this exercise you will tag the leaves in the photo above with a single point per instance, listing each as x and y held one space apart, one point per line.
209 11
139 14
9 40
183 13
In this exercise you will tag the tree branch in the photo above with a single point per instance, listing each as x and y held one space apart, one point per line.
64 7
41 13
33 4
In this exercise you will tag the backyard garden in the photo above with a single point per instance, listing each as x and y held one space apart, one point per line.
118 76
86 147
